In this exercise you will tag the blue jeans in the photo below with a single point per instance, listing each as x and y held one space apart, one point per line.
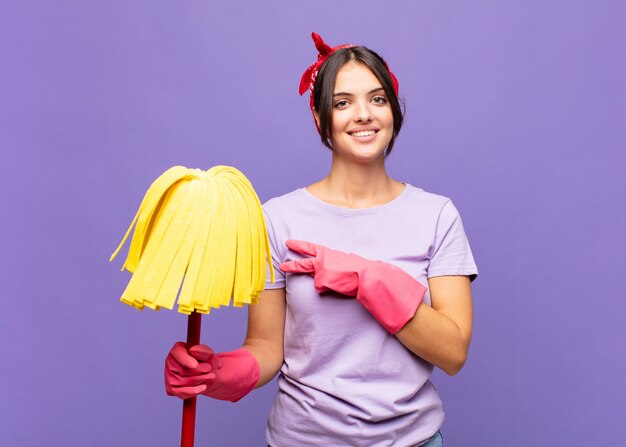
435 441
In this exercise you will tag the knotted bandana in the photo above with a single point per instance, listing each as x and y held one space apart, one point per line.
309 76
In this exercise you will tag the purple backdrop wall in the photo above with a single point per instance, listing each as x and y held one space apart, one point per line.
514 109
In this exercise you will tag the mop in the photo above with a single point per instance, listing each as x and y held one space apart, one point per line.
204 230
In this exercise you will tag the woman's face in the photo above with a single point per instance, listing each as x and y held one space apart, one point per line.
362 120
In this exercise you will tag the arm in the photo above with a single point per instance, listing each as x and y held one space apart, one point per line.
266 327
441 334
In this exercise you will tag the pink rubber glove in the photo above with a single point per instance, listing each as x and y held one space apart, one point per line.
225 376
237 373
185 377
389 293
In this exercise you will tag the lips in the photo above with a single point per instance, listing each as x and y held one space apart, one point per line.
362 133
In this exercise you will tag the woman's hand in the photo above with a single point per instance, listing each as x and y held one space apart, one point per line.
224 376
330 269
186 375
389 293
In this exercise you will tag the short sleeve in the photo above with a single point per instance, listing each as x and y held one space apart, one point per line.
277 256
451 253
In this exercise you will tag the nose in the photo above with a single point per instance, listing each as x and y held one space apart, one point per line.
362 112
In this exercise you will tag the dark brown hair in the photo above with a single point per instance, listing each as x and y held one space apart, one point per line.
324 86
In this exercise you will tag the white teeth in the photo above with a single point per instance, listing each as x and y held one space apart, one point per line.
365 133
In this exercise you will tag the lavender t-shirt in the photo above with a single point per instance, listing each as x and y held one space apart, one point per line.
345 380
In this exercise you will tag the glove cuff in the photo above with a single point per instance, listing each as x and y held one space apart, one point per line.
390 294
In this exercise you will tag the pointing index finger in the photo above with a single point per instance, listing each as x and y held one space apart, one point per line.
300 266
303 247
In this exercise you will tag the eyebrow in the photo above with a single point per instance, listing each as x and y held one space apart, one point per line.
350 94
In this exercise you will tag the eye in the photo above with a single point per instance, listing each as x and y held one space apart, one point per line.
342 103
379 100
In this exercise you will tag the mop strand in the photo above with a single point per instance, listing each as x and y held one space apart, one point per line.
204 230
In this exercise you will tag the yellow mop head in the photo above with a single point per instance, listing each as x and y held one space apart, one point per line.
205 227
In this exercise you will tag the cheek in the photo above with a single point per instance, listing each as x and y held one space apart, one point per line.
388 117
338 121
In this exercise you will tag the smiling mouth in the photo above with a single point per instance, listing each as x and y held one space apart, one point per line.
363 133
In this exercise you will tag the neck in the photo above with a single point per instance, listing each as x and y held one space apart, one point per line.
354 185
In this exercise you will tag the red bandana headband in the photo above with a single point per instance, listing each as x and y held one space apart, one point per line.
309 76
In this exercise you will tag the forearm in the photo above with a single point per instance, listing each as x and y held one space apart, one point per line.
266 323
436 338
268 355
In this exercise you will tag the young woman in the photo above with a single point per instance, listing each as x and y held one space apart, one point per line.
372 290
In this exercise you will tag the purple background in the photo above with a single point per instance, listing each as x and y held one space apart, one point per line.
516 110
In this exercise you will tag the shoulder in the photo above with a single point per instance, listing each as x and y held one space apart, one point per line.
280 204
293 208
427 201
